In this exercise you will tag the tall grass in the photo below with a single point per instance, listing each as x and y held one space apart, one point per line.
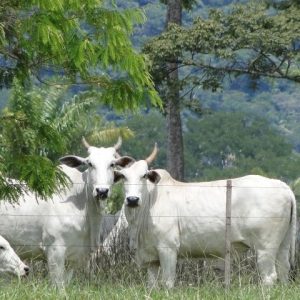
196 279
40 288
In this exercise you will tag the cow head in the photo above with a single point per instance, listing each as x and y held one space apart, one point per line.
101 163
10 261
135 177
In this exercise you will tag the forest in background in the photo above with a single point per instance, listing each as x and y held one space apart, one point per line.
245 126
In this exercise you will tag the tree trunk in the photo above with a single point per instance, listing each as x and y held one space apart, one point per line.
175 161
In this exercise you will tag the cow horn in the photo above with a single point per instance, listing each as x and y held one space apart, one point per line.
152 156
85 143
117 146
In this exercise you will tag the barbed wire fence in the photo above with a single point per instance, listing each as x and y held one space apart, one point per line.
122 254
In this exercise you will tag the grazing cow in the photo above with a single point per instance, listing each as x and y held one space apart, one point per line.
169 219
67 226
10 261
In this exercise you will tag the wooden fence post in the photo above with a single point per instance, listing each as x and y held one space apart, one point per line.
228 233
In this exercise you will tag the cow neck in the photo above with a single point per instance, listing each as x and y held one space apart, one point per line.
138 218
94 213
144 214
132 216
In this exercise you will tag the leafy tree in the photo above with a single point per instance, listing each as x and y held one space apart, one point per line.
85 41
246 40
171 98
171 95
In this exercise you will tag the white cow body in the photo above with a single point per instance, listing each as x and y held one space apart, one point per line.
10 261
172 219
67 226
62 228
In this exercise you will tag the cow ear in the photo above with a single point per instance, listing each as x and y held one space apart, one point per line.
153 176
124 161
72 161
118 176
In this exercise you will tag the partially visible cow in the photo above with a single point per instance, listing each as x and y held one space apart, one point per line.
67 226
108 223
10 261
116 240
169 219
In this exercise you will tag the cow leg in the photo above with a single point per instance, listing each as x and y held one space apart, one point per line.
266 265
56 265
168 261
153 274
283 258
283 264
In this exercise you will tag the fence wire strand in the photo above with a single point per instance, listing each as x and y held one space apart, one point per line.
181 185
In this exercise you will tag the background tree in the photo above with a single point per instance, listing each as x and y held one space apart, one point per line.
245 41
170 93
248 40
175 161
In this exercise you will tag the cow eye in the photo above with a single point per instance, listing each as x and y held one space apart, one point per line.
90 164
2 248
112 165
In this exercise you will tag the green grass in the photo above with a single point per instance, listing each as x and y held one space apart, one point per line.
124 281
100 287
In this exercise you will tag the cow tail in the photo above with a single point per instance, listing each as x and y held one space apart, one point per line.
293 231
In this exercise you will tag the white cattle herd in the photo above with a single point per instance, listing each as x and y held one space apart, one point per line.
166 219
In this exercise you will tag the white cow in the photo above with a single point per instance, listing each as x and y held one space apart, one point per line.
67 226
10 261
169 219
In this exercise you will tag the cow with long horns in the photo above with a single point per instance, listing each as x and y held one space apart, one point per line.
169 219
67 226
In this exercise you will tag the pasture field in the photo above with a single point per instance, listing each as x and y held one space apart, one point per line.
128 283
41 289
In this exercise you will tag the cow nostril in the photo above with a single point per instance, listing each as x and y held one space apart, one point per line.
132 201
102 192
26 269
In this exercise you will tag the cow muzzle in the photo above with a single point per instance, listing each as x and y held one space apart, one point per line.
23 270
101 193
132 201
26 270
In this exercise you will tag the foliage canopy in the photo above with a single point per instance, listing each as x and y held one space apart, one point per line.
85 41
249 39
